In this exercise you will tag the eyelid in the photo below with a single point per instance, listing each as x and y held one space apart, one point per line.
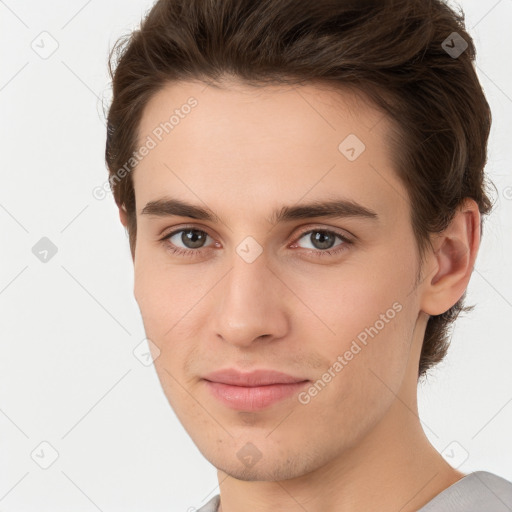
177 229
343 233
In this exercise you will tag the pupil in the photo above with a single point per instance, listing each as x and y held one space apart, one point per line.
192 238
322 239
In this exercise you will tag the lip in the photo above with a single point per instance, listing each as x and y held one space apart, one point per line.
252 391
261 377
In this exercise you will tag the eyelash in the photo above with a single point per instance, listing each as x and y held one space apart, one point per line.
316 252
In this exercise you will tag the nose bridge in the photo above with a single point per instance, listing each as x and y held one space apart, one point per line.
248 302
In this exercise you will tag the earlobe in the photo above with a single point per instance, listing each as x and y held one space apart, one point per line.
452 260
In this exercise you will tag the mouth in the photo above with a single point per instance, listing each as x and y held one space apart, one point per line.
252 391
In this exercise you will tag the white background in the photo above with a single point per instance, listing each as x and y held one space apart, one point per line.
68 327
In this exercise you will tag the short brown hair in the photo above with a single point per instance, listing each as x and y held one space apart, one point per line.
393 51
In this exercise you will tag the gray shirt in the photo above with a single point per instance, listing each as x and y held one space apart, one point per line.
480 491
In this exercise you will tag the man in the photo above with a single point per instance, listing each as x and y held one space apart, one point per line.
303 187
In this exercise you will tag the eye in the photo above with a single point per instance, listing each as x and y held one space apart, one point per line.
323 241
192 239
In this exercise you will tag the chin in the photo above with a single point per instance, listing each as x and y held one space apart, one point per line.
274 468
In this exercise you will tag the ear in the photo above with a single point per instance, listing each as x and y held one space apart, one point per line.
123 215
449 266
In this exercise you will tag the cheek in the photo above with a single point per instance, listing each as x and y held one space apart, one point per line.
349 301
163 305
169 300
363 377
164 295
370 318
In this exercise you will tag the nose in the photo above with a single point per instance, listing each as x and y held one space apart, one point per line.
250 304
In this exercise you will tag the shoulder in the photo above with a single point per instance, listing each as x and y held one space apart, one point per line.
211 506
476 492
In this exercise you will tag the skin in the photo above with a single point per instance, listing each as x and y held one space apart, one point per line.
244 152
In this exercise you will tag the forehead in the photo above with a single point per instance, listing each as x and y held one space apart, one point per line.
257 144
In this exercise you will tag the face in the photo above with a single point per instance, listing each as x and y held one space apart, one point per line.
265 282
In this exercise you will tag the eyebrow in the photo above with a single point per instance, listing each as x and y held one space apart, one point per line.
338 208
